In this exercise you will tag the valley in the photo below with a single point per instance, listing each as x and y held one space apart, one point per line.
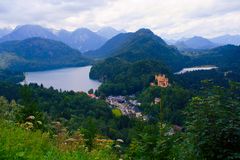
117 95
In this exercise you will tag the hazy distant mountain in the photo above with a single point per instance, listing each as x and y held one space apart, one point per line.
39 54
195 43
28 31
141 45
227 39
109 32
4 31
170 41
82 39
63 35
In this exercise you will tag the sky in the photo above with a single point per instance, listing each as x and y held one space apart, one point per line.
170 19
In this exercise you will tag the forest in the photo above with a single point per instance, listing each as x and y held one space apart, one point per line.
201 121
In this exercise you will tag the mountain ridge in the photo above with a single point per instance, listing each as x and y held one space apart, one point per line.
196 42
227 39
140 45
40 54
82 39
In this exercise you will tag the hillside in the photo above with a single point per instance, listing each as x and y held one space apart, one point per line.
121 77
226 57
141 45
134 59
38 54
110 47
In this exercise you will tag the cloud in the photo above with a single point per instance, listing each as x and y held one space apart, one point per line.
168 18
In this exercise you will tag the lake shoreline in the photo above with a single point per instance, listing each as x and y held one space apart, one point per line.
196 68
67 79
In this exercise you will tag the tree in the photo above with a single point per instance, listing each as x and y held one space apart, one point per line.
30 111
89 132
213 124
90 91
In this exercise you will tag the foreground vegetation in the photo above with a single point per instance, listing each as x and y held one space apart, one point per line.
19 143
211 130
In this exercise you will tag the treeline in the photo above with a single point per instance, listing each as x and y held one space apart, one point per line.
69 108
11 76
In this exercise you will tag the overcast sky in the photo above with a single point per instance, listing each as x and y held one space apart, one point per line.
167 18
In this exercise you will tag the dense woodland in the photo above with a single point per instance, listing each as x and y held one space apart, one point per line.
65 124
121 77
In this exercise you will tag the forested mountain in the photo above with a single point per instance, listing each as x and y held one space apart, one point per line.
38 54
28 31
110 47
82 39
134 60
142 48
196 42
141 45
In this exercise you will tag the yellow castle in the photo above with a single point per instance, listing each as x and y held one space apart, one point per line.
162 80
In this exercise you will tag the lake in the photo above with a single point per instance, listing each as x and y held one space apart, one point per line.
197 68
67 79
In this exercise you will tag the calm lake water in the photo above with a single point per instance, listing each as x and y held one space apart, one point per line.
67 79
197 68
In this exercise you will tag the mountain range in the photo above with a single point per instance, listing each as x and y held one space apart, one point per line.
82 39
28 31
227 39
86 40
201 43
33 44
195 42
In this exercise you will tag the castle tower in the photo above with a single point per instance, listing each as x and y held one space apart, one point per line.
162 81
